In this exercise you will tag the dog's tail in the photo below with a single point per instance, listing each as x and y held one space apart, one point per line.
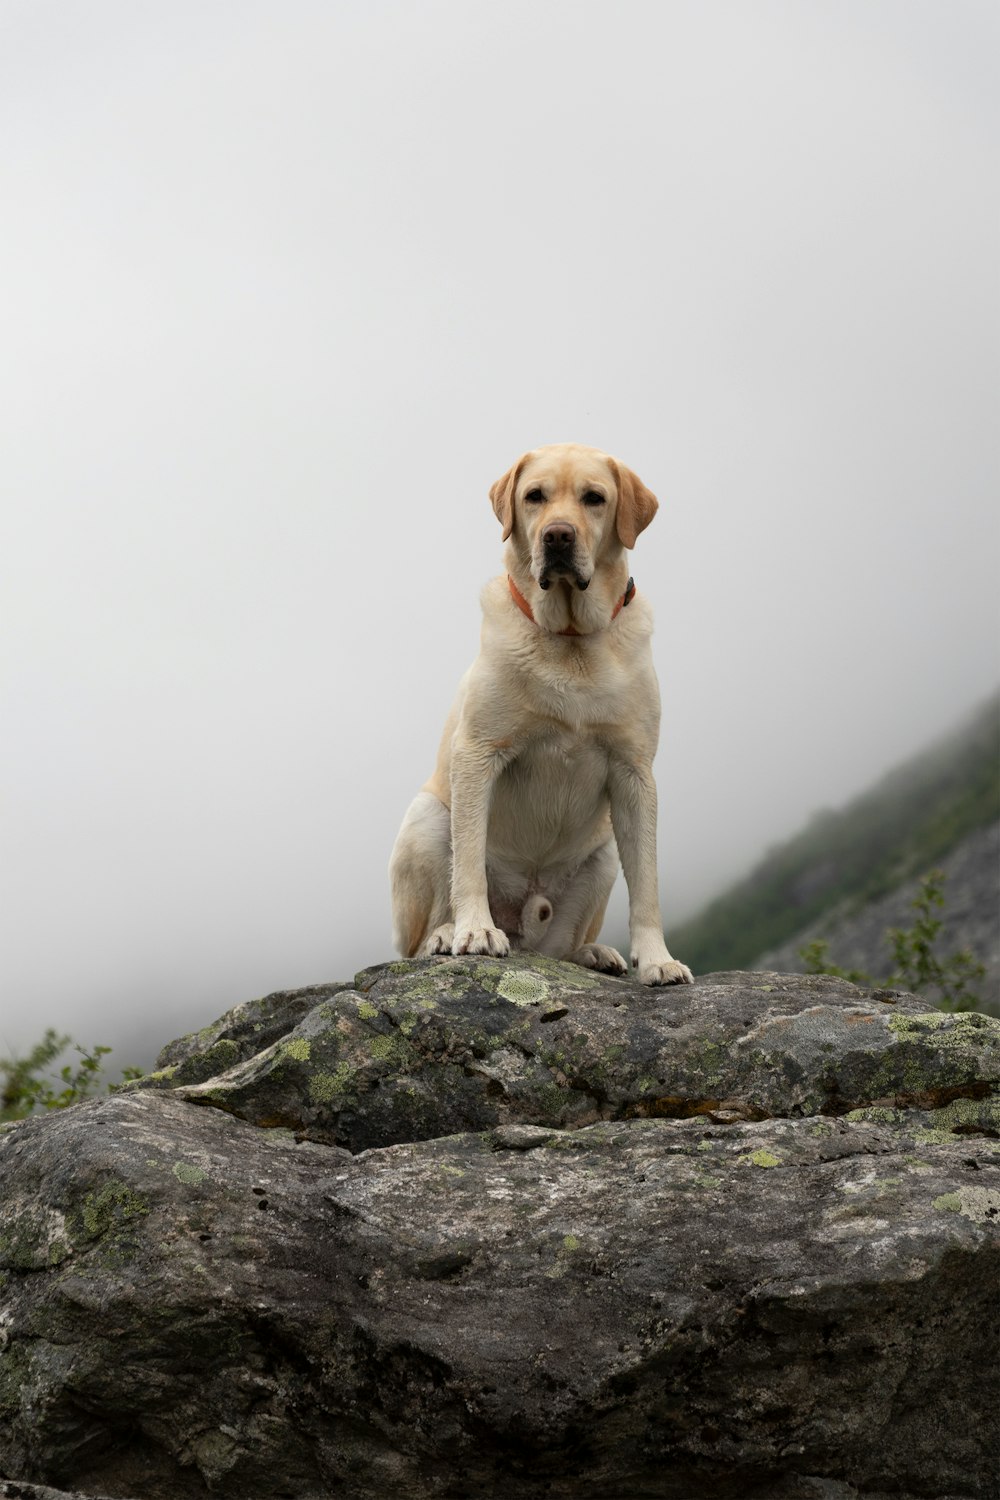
536 915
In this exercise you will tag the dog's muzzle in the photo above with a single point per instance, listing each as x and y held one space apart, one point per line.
559 556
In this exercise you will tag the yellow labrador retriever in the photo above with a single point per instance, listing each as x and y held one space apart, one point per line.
545 772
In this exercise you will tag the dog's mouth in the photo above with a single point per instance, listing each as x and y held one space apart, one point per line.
553 572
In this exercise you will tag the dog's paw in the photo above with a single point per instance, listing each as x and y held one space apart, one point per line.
670 972
440 941
599 956
486 940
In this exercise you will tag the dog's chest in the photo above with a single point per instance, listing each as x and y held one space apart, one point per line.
578 705
554 791
563 752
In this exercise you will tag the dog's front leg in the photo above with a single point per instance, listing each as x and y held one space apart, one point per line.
474 770
633 816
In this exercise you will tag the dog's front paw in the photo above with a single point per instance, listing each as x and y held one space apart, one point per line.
599 956
487 940
440 941
668 972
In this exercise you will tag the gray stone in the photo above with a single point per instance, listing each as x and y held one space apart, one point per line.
666 1272
11 1489
418 1050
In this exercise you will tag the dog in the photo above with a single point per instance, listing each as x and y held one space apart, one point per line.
545 772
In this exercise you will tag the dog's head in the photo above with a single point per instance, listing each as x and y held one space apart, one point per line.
568 509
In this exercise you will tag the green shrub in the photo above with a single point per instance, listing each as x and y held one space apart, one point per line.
916 965
27 1083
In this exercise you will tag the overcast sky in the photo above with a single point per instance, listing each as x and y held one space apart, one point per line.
286 287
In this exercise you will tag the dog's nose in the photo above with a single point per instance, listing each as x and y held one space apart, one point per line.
559 536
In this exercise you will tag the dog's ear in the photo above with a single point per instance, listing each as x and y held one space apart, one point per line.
636 505
502 495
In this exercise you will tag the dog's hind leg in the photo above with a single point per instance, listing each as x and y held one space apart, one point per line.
420 876
579 911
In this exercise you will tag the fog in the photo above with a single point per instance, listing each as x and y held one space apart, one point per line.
286 288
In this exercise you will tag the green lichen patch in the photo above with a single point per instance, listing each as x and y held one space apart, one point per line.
931 1020
759 1159
328 1088
188 1173
221 1055
961 1116
297 1047
366 1010
203 1065
981 1205
393 1049
160 1078
970 1116
522 988
111 1209
877 1114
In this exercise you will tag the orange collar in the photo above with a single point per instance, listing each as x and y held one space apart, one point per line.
525 607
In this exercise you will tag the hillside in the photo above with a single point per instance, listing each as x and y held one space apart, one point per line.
845 861
970 920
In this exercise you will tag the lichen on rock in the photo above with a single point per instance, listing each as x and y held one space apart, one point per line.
468 1228
425 1048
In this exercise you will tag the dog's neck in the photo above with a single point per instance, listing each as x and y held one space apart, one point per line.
568 630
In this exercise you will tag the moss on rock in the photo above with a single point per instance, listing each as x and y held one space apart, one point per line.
110 1208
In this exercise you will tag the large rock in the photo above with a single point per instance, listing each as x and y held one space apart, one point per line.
594 1241
422 1049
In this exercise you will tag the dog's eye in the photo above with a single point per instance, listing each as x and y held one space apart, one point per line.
535 497
593 497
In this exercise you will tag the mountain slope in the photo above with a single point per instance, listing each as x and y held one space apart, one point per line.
970 919
909 822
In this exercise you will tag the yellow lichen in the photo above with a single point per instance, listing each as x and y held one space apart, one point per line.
759 1159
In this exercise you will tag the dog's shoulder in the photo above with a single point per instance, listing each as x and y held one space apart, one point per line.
499 610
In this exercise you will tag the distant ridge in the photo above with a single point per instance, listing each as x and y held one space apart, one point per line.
842 861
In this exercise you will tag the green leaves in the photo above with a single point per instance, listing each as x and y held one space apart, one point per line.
29 1083
916 965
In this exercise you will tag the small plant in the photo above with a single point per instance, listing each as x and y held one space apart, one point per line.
916 966
816 957
27 1084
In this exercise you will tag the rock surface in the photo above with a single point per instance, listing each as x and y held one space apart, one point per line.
417 1050
482 1229
15 1490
